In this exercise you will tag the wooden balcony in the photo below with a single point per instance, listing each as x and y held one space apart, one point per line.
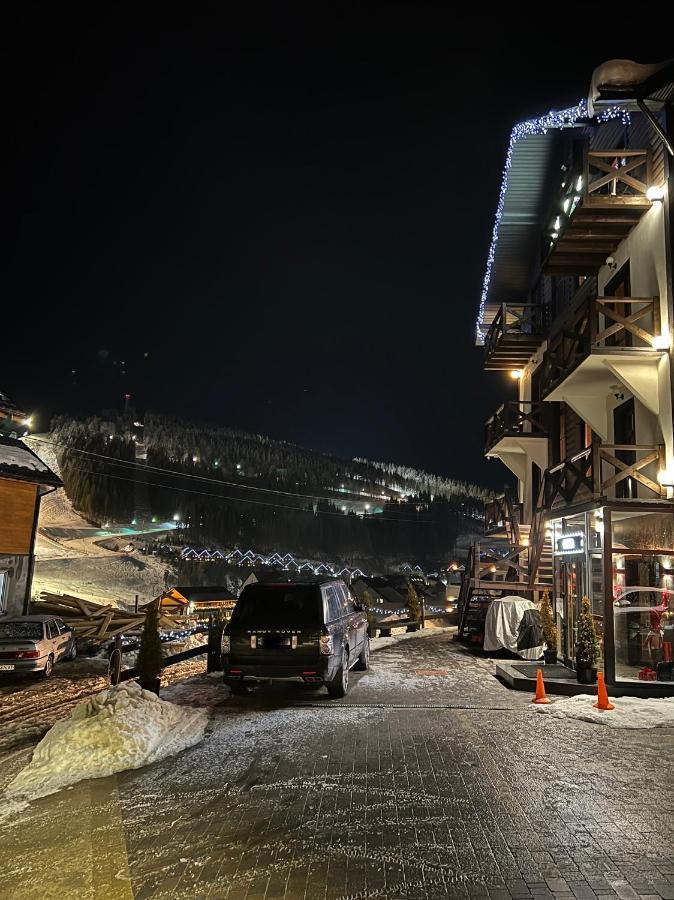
606 472
600 325
603 199
515 333
514 419
600 472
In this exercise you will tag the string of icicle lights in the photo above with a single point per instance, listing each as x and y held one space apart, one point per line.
564 118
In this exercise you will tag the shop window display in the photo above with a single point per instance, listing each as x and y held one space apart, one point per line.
643 596
578 568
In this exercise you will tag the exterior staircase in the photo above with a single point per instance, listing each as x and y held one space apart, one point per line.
511 559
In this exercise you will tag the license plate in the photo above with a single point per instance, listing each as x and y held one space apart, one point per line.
6 668
272 642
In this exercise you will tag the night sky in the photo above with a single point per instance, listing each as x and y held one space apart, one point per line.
278 223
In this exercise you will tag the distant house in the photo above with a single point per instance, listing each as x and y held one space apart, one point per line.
196 602
24 479
13 421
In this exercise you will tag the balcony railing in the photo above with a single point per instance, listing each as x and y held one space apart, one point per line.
599 472
515 418
600 325
602 199
515 333
607 471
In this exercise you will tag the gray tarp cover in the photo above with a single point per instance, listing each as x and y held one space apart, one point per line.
502 624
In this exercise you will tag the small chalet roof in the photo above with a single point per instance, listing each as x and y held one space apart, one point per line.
18 461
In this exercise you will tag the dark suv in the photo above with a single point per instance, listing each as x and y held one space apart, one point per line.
314 631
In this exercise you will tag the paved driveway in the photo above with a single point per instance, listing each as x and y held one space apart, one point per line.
429 780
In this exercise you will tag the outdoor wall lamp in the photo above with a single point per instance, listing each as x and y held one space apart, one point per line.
516 374
655 193
666 478
661 342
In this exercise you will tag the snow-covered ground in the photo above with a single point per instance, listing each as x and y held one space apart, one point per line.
120 728
402 634
70 559
629 712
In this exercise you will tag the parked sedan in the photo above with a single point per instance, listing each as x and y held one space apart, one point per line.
33 644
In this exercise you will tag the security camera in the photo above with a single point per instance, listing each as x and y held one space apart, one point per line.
611 263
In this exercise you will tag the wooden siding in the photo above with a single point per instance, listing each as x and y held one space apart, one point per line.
17 512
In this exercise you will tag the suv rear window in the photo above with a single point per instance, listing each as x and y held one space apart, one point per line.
267 606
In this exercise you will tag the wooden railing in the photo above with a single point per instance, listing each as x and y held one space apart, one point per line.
600 471
599 324
614 172
515 417
503 514
515 319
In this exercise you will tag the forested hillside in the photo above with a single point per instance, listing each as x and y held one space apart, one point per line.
230 488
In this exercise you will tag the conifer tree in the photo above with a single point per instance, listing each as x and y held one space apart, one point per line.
587 643
150 653
548 622
413 605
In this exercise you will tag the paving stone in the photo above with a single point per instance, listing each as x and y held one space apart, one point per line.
284 800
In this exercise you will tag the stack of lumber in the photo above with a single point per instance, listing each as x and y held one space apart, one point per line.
94 621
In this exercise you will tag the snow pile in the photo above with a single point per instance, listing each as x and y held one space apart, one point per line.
124 727
200 639
629 712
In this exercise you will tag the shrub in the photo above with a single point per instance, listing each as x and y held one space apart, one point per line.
587 643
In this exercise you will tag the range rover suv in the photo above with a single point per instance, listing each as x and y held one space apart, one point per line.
312 631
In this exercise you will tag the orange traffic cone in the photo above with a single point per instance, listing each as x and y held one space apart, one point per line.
540 688
602 695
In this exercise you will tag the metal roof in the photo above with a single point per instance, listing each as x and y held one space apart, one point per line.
525 208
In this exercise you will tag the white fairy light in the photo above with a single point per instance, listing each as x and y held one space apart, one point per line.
565 118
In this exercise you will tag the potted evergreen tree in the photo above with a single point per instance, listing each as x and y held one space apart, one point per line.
549 630
587 646
413 607
150 653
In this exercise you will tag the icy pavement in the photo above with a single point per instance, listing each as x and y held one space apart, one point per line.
463 792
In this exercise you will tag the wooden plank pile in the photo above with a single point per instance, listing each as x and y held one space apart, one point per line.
94 621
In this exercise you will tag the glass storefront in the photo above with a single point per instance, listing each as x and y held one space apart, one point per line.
578 572
637 594
642 556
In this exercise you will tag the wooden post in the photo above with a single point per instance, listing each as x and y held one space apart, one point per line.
596 467
115 664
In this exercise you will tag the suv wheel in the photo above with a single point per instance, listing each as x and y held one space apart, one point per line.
48 666
340 683
363 663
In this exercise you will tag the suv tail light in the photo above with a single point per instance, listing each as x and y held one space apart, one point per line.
225 645
325 644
